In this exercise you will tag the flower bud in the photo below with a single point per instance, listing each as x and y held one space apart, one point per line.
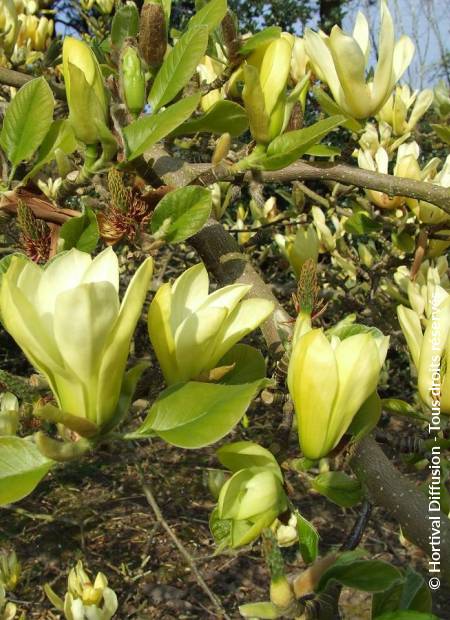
349 368
222 148
132 79
86 95
152 34
10 570
9 414
7 610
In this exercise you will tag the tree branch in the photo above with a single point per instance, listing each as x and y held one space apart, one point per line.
343 173
401 498
9 77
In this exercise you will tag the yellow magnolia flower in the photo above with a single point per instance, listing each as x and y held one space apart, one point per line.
86 95
380 135
9 419
425 211
69 322
430 349
329 380
341 60
405 166
300 60
191 330
84 598
301 247
264 92
9 25
395 110
431 279
253 497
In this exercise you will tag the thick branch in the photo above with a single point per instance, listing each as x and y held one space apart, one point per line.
350 175
18 79
394 492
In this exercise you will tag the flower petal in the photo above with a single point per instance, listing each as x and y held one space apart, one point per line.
313 385
160 333
188 293
104 268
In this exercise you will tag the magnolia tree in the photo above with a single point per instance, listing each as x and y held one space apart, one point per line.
253 149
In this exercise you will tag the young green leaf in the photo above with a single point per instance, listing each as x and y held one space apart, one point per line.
223 116
288 147
22 468
182 213
210 15
59 136
360 574
80 232
308 538
261 38
142 134
339 488
195 414
125 23
178 66
411 593
27 120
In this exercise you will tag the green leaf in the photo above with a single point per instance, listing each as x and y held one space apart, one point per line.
360 574
142 134
125 23
249 365
323 150
361 223
407 615
80 232
401 407
27 120
367 417
223 116
264 610
210 15
443 131
182 213
59 136
330 107
308 538
195 414
22 467
261 38
339 488
404 241
288 147
410 594
178 66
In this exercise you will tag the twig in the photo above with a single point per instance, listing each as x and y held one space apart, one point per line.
181 548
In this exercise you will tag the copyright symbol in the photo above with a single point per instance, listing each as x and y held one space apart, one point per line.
434 583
